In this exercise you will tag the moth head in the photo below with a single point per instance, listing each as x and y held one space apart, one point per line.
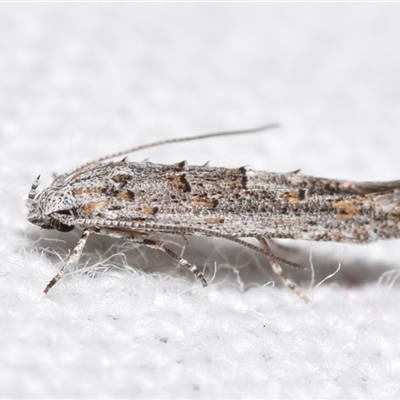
52 208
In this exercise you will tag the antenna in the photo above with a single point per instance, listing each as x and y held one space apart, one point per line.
169 141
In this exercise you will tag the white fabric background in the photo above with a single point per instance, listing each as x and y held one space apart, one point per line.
80 80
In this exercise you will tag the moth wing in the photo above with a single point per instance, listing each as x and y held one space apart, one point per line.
385 193
376 187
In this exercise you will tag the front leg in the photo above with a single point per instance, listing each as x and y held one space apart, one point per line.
72 260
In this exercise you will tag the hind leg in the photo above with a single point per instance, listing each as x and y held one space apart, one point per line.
274 261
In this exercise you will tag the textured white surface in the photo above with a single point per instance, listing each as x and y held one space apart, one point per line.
80 80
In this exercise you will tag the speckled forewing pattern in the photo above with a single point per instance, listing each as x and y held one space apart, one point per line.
236 202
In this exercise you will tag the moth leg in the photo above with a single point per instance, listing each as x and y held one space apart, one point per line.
191 267
142 239
71 261
274 261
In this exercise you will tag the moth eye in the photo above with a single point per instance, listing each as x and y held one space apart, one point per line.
64 228
59 225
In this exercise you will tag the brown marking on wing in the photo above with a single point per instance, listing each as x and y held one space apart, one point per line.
294 196
150 210
346 209
88 190
93 206
239 183
121 177
208 203
236 171
180 182
214 220
239 178
125 195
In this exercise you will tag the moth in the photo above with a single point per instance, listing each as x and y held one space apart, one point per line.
141 201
